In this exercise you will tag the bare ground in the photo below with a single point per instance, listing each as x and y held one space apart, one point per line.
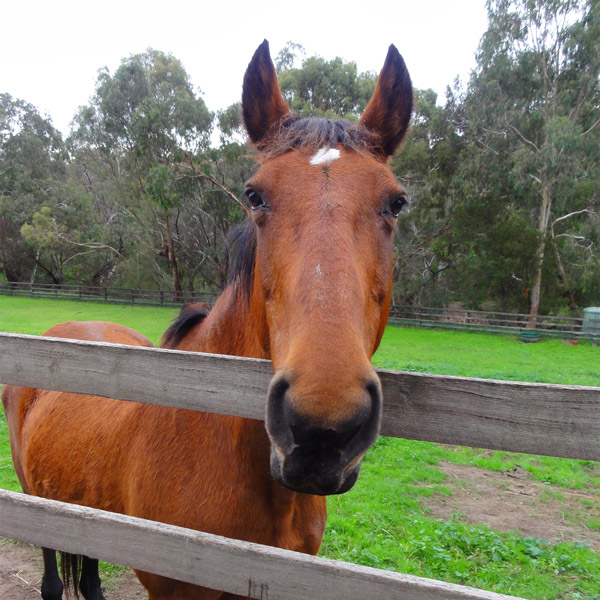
513 501
506 501
21 570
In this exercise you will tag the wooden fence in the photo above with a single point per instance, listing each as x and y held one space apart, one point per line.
571 327
411 316
89 293
535 418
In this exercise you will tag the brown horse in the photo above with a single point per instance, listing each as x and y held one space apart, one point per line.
310 290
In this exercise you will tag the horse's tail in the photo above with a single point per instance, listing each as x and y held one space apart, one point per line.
70 566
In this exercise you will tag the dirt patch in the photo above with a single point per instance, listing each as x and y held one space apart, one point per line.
21 571
513 501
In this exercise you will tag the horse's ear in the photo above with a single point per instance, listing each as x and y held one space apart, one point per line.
388 112
262 103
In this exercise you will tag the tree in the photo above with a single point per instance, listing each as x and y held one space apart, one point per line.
71 239
143 121
532 111
425 247
324 88
32 165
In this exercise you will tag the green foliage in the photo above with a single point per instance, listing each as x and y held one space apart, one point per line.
160 185
503 177
32 164
326 88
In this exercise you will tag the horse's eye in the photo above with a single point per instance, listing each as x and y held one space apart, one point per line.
256 202
395 205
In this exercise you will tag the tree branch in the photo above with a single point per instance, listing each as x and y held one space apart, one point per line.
532 144
572 214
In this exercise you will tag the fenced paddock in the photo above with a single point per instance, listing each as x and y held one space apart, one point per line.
401 315
109 295
541 419
486 321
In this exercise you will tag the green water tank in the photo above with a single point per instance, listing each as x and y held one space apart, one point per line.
591 320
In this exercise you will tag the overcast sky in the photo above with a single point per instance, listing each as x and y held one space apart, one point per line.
51 50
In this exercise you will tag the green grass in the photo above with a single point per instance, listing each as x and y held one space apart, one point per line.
488 356
381 521
35 316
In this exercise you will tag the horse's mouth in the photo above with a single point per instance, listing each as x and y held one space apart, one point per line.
318 479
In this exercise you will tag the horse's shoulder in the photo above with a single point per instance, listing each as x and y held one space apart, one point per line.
98 331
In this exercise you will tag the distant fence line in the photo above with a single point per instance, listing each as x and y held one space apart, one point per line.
494 322
408 316
105 294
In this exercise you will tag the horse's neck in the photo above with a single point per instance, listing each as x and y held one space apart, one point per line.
234 326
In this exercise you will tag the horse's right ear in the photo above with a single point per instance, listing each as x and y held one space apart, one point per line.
263 105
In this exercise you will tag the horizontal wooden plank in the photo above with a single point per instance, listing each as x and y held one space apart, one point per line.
536 418
208 382
212 561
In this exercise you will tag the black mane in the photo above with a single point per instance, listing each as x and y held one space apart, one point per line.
242 254
189 316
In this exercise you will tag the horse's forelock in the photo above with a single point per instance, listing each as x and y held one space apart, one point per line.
312 133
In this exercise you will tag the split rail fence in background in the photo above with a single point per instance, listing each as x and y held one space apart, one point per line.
92 293
521 417
493 322
409 316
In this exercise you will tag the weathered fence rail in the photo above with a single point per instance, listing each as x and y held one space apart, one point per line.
221 563
536 418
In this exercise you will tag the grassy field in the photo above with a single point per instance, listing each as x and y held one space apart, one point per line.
383 522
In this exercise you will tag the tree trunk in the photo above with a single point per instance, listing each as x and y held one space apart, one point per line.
177 295
539 256
35 268
562 275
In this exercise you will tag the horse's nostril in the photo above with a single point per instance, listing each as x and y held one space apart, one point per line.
277 419
345 436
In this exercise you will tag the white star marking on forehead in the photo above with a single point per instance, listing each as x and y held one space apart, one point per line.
325 156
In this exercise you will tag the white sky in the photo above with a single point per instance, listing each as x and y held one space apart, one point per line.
50 50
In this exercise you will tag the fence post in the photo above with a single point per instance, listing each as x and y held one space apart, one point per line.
161 297
132 297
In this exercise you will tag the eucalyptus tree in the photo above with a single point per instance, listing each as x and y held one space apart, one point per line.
143 121
531 112
325 88
32 165
427 256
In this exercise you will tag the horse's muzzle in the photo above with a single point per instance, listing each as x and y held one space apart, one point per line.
312 459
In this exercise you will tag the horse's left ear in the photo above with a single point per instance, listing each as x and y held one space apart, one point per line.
263 105
389 110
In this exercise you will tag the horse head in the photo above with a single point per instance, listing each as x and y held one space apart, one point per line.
324 206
